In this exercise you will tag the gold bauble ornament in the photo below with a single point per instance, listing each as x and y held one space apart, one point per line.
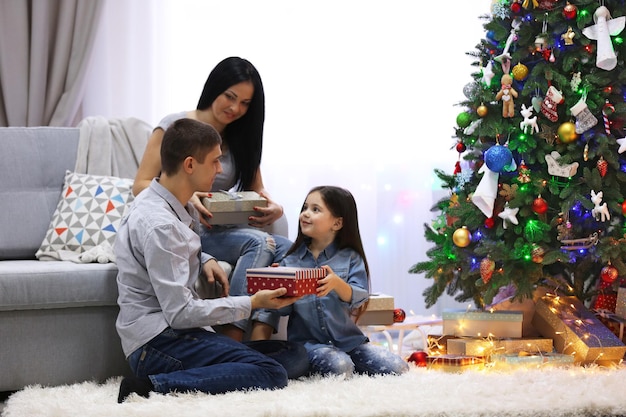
567 132
520 72
482 110
462 237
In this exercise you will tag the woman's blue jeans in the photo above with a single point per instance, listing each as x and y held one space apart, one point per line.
244 247
199 360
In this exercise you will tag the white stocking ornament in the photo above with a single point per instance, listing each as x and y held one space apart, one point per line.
585 120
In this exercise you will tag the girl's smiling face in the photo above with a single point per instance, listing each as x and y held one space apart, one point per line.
316 220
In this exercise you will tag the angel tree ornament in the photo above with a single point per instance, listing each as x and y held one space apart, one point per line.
568 37
602 31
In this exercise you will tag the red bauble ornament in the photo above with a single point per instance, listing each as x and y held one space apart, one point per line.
460 147
490 222
540 206
609 274
398 315
570 11
624 207
516 7
419 358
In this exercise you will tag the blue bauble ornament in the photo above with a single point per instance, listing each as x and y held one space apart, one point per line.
498 157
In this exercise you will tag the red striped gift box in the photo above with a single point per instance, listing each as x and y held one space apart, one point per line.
298 281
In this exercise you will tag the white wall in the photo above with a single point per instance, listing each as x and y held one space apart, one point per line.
360 94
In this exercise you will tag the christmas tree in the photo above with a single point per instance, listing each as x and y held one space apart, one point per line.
537 195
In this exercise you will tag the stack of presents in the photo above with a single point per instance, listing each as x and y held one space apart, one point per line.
559 330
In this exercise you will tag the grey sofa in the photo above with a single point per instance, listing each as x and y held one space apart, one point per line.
57 318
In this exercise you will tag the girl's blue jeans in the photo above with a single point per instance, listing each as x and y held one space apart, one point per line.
367 359
199 360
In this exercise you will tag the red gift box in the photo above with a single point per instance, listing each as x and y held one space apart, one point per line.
298 281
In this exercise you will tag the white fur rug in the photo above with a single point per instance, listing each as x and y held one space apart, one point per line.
553 392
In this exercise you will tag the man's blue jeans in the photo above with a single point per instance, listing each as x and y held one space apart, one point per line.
198 360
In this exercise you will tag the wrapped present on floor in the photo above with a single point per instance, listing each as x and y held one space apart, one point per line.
613 322
488 346
535 360
233 207
379 310
620 302
455 363
606 299
498 324
298 281
576 331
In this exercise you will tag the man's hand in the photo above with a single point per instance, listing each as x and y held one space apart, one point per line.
214 272
272 299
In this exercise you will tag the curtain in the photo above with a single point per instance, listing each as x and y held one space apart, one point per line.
45 48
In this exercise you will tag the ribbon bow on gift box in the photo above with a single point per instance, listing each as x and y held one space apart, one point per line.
233 195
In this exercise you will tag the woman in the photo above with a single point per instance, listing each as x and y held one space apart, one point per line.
233 102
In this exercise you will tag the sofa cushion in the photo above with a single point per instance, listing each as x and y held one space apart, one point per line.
32 284
33 162
88 215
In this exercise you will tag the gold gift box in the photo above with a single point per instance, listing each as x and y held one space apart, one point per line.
379 311
489 347
576 331
233 207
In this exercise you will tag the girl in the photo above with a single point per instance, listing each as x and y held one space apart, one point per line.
233 102
329 237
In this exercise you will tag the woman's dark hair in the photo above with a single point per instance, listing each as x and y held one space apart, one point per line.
186 137
341 203
244 136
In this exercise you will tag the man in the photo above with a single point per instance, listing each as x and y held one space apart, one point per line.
161 320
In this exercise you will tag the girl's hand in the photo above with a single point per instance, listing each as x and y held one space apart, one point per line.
268 215
196 201
333 282
329 283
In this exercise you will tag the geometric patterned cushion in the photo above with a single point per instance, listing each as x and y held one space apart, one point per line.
87 215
